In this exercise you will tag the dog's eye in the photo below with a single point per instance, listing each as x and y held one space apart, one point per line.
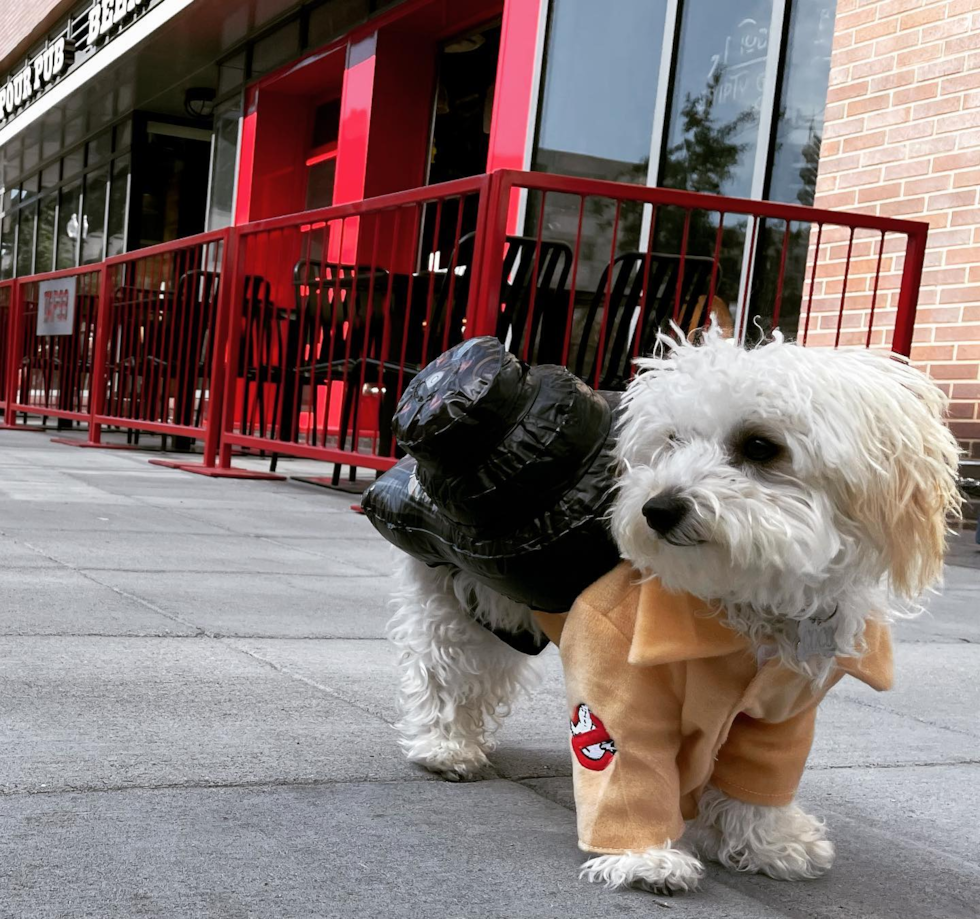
757 449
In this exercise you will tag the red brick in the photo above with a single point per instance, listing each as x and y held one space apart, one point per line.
962 43
892 80
942 276
859 177
958 122
888 118
853 20
941 68
852 55
916 93
847 91
970 217
914 131
973 275
876 30
836 111
873 66
932 352
942 106
948 372
928 184
965 430
829 147
893 43
961 160
868 104
843 128
838 199
956 7
962 411
968 138
945 238
966 391
879 193
966 255
862 142
959 83
921 17
895 7
969 178
962 295
919 55
971 314
840 164
902 208
932 145
880 155
934 315
968 353
905 170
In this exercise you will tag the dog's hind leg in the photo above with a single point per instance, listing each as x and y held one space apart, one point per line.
457 678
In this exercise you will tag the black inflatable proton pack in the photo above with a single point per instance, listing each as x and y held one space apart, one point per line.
508 476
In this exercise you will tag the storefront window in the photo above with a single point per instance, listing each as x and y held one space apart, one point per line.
25 239
45 232
275 49
118 199
68 225
223 160
333 18
6 244
92 229
598 96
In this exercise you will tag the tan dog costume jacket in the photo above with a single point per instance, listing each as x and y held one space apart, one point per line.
665 698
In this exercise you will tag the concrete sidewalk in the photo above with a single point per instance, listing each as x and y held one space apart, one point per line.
195 701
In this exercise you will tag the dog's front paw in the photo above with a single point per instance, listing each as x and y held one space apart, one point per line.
785 843
667 870
454 760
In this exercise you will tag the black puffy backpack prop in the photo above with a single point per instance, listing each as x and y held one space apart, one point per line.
509 475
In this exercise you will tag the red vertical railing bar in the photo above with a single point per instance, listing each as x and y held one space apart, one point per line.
535 273
874 292
680 265
97 392
416 224
453 262
843 289
908 295
223 290
387 317
779 282
365 346
567 343
430 293
813 278
600 352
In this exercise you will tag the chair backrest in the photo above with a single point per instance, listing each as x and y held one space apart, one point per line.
627 313
533 309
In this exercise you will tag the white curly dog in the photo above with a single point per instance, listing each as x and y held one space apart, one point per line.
810 477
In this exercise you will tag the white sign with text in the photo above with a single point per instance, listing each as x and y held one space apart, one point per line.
56 307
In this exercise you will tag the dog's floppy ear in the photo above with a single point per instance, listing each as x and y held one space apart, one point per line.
909 492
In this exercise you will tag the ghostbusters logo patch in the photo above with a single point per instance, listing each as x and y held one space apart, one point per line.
591 743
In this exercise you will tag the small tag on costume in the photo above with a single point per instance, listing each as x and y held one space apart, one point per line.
817 637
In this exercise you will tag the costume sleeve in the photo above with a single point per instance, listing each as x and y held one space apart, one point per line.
762 762
625 736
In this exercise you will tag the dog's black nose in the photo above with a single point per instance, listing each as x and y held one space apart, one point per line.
665 512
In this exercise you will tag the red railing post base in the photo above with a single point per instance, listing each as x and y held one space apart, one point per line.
216 472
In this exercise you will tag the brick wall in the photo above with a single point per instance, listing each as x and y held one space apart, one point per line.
902 138
21 23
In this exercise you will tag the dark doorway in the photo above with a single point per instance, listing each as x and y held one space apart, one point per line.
463 104
170 182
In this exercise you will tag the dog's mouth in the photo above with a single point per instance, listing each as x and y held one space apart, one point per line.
682 541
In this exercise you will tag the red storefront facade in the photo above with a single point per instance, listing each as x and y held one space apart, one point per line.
349 218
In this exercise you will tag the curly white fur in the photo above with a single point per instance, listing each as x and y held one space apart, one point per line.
457 679
849 515
784 842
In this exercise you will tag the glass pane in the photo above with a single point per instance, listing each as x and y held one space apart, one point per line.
226 119
118 197
68 224
598 93
800 126
720 73
319 187
231 73
45 233
124 135
99 148
93 216
50 176
7 247
714 126
333 18
73 163
25 240
279 47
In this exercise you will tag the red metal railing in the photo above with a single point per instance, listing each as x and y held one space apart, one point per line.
297 335
50 373
159 361
6 303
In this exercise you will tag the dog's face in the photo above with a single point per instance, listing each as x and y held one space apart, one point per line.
779 477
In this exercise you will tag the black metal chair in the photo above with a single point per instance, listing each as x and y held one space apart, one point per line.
607 340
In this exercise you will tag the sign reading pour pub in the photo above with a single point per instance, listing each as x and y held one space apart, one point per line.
46 67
